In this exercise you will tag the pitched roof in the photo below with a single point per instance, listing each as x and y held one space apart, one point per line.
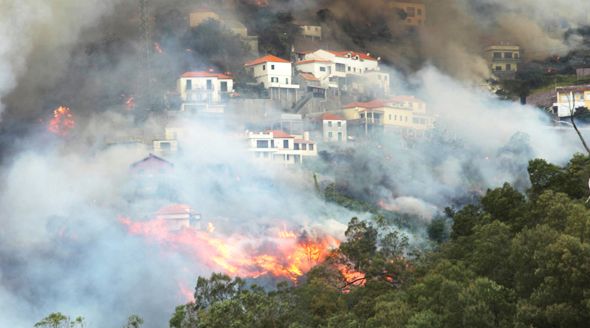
573 88
280 134
308 76
207 74
331 117
266 59
152 162
173 209
370 104
309 61
352 54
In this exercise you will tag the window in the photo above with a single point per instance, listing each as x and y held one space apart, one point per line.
498 68
349 68
508 55
296 146
497 55
310 146
330 134
209 85
223 86
286 144
165 145
339 124
411 11
516 55
340 67
272 67
330 123
339 136
287 80
322 68
264 67
272 144
419 11
261 143
303 146
508 67
189 84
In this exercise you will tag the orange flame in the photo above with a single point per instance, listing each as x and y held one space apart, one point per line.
210 227
186 293
130 103
62 121
157 48
240 255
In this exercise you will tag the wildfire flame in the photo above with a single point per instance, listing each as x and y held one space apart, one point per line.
286 256
130 103
62 121
157 48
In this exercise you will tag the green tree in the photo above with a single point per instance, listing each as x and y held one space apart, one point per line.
505 204
59 320
134 321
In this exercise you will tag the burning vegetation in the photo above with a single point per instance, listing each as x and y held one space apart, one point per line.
62 121
280 254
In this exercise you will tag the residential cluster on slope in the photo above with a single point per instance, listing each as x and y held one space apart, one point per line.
290 107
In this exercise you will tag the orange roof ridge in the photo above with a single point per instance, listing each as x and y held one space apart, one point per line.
266 59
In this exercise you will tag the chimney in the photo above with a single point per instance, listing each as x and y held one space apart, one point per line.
306 135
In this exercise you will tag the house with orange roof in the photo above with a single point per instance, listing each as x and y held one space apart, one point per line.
204 90
276 75
404 114
272 72
278 146
334 128
178 216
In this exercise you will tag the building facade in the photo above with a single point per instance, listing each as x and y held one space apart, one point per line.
571 97
204 91
280 147
503 59
334 128
412 13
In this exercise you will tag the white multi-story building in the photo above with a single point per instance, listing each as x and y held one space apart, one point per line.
345 62
280 147
348 70
272 72
334 128
204 91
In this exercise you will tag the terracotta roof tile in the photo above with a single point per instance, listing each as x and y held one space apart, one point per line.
266 59
207 74
332 117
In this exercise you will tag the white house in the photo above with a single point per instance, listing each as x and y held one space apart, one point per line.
345 62
334 128
204 87
272 71
349 70
178 217
571 97
320 69
280 147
